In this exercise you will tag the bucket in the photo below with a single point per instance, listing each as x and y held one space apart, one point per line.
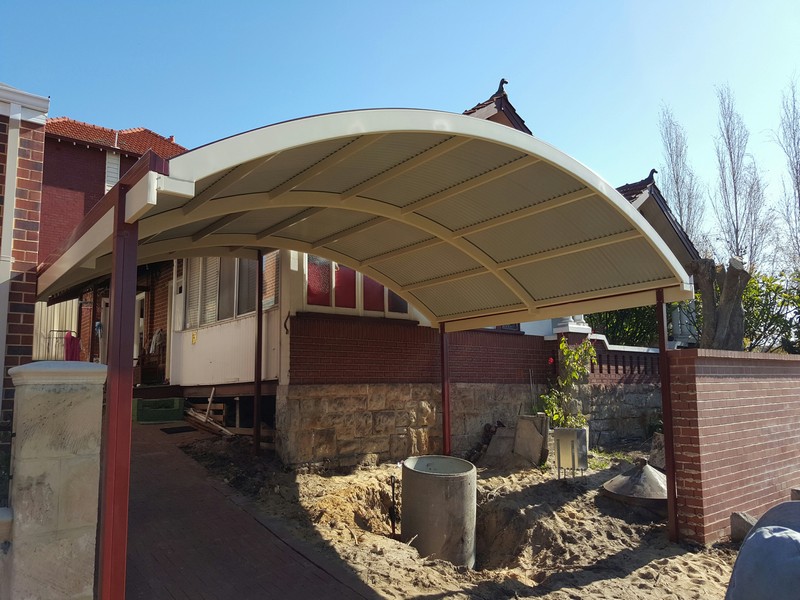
438 507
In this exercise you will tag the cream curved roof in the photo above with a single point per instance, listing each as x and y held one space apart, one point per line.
472 222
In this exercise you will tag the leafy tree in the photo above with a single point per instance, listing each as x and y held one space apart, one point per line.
628 326
770 307
768 303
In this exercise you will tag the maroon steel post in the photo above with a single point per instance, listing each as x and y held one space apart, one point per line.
445 351
119 399
258 353
666 416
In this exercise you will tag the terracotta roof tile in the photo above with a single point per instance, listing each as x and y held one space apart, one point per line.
135 141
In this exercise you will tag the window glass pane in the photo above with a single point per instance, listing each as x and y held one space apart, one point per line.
227 287
319 281
373 295
271 279
345 287
209 288
191 285
247 286
397 304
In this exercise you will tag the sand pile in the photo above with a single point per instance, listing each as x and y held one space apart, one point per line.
537 536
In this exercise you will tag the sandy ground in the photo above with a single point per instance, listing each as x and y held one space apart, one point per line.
537 536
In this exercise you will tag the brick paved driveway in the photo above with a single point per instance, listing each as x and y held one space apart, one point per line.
191 538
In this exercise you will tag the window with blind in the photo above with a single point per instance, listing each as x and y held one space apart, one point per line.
330 284
218 289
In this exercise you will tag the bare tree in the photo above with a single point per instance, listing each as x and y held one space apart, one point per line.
680 185
739 201
788 138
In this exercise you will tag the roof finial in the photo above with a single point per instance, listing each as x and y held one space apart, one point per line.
650 178
500 91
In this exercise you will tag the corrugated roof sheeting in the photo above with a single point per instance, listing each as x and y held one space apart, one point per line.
286 165
428 263
257 221
502 196
466 296
577 222
626 263
488 194
461 164
378 157
179 231
375 241
323 224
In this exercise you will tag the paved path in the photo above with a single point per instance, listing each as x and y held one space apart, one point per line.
191 538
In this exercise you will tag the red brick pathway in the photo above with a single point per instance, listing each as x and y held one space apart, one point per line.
191 538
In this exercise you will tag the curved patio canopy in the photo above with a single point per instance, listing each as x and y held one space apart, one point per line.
473 223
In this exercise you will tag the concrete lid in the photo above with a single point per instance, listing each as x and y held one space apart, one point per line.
640 482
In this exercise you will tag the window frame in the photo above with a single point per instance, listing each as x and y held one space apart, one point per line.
359 309
188 273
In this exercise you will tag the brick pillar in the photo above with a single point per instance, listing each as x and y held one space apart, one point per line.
24 252
54 491
22 121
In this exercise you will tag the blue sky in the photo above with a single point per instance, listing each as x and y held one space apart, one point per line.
588 77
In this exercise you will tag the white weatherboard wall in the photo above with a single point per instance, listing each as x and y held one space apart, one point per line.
223 352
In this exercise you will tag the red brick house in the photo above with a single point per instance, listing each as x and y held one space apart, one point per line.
349 368
82 162
352 373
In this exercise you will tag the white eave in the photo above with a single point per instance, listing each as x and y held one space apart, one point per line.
473 223
32 108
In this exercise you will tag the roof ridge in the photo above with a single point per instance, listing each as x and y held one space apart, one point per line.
70 120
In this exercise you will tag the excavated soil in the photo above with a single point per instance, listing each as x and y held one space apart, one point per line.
537 536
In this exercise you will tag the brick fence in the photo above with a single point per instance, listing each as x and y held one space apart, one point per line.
737 436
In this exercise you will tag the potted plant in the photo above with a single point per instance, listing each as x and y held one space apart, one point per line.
563 408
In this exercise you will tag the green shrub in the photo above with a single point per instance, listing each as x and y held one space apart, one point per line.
560 403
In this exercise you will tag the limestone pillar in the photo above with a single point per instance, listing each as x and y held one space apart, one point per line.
56 475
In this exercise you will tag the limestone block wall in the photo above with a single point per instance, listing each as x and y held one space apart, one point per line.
622 410
55 484
347 424
475 404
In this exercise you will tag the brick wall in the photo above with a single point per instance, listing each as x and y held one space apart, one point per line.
78 168
74 181
25 247
156 279
736 423
340 349
63 209
3 154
